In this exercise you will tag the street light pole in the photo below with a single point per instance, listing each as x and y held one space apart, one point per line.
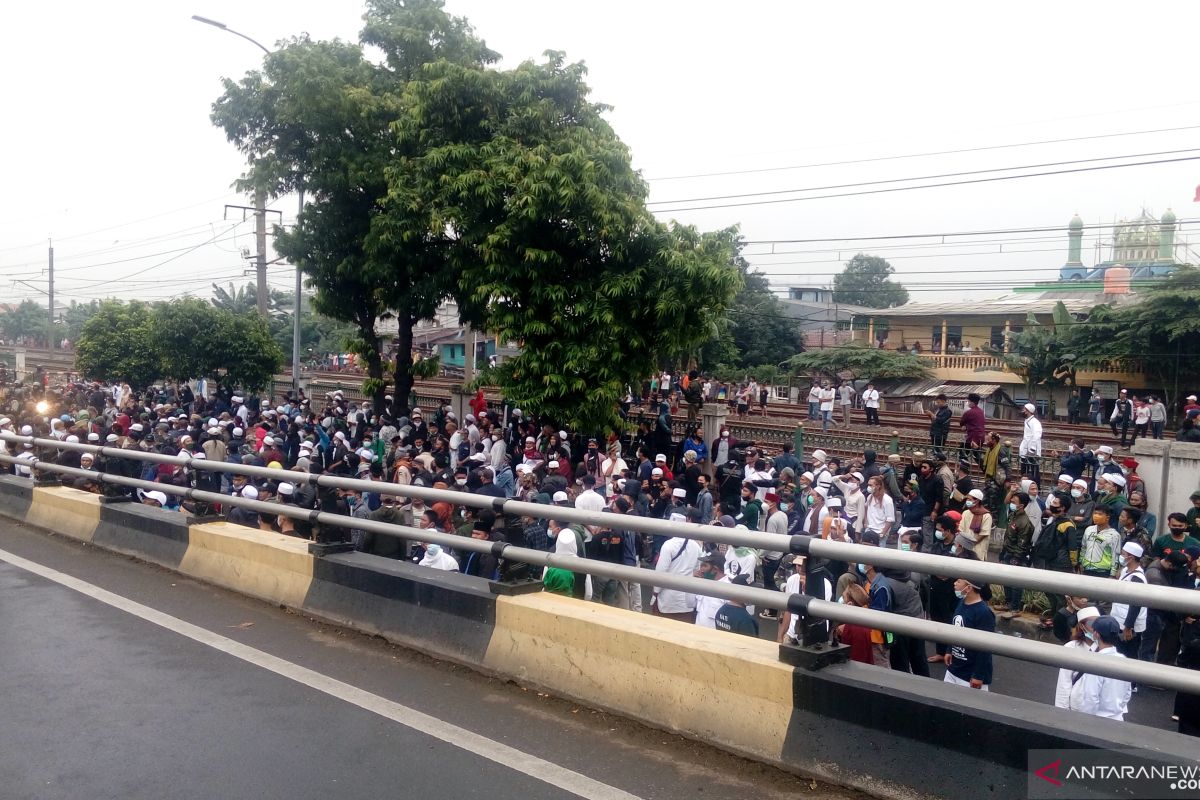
227 29
260 199
297 307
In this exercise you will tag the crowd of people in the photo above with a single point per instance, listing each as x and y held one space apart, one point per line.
1092 520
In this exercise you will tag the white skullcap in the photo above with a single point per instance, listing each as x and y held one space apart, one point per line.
159 496
287 489
238 431
249 492
1064 478
552 465
1115 478
73 439
560 497
1030 407
93 437
678 492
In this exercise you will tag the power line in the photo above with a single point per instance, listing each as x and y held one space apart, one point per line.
919 155
996 232
922 177
929 186
911 188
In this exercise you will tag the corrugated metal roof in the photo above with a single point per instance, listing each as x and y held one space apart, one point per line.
932 387
1014 306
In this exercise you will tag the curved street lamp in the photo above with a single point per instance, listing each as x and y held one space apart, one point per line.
224 27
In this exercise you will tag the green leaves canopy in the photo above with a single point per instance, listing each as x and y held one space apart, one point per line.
866 281
548 233
117 344
860 361
179 340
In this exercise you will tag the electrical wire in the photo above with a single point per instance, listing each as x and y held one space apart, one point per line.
996 232
922 177
920 155
925 186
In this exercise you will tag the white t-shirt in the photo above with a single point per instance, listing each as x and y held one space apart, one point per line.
707 607
827 399
871 398
814 394
1062 692
846 394
677 557
880 513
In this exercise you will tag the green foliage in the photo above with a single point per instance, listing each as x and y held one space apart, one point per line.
178 340
1159 333
76 316
319 118
866 281
117 344
244 300
1043 354
27 319
427 367
550 237
755 330
860 361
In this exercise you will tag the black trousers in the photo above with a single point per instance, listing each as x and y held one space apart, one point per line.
908 655
872 416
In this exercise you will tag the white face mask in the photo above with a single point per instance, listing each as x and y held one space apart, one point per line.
724 434
461 481
1077 493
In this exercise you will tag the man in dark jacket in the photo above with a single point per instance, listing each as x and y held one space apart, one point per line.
939 426
1057 548
1018 544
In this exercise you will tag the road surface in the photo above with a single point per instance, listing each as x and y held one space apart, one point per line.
132 682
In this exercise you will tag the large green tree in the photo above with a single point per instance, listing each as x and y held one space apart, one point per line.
866 281
547 230
318 117
117 344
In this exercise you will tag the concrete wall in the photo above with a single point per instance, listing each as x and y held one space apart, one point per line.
886 733
1171 471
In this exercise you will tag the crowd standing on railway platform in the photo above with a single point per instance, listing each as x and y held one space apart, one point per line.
1092 520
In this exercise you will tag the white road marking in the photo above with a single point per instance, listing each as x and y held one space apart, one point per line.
502 754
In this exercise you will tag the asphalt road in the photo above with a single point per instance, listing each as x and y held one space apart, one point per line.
123 702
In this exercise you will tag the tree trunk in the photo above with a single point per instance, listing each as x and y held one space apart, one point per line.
403 369
374 382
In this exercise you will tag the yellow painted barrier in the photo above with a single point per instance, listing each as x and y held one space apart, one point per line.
712 685
262 564
60 509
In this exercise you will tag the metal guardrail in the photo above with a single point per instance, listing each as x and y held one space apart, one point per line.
1171 677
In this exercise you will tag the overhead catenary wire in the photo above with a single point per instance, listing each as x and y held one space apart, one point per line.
892 189
937 176
958 151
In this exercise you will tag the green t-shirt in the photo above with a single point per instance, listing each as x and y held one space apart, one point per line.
1165 544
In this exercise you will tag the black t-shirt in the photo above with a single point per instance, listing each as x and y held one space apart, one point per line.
736 620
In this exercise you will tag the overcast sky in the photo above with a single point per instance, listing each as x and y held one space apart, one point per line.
109 149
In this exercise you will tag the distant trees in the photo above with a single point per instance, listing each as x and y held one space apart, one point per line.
866 281
860 361
178 340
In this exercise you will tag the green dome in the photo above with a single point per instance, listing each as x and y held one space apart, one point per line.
1076 223
1169 217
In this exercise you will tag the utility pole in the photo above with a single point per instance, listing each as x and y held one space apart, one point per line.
260 261
50 319
297 307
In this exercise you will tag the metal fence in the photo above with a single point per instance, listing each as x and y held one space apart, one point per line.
810 608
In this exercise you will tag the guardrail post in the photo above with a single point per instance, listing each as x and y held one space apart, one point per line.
814 651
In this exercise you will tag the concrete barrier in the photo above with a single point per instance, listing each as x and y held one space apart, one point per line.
886 733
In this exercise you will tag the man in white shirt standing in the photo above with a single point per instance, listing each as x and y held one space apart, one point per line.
1031 445
846 400
814 400
880 510
1131 619
678 556
827 397
1095 694
870 400
711 568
